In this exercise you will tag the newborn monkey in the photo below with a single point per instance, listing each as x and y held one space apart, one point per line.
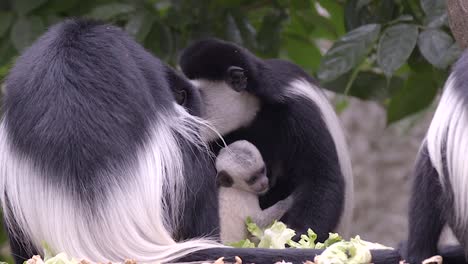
242 178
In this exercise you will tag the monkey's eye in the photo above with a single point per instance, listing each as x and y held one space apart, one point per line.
252 180
262 170
181 97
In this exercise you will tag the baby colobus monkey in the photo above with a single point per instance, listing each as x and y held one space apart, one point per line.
242 177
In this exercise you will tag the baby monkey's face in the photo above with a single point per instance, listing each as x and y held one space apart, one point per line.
255 181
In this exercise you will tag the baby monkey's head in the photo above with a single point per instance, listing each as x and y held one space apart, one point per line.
240 165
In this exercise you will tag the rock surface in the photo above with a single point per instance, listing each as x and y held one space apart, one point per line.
383 159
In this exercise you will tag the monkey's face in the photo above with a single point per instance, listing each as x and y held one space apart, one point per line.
257 182
225 108
222 72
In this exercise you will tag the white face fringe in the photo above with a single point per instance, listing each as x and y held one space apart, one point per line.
224 108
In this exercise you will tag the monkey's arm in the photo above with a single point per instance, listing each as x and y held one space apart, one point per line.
274 212
313 167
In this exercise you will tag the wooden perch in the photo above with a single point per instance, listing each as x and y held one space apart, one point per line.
458 20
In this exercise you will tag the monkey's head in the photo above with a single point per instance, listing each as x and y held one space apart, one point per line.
240 165
226 75
219 61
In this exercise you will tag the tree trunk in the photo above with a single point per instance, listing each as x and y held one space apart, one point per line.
458 20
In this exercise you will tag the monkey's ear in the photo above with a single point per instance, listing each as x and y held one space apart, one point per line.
236 78
224 179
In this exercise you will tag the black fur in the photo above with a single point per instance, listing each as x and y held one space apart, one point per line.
431 204
296 256
451 255
290 133
184 92
428 210
224 179
81 100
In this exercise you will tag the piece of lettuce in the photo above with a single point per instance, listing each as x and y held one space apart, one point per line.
253 228
246 243
354 251
276 236
306 241
332 239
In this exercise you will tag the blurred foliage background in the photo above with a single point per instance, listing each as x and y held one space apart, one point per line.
396 52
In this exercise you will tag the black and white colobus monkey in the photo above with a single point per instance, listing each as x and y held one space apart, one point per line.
280 109
97 159
440 187
242 177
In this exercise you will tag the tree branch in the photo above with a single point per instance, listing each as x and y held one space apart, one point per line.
458 20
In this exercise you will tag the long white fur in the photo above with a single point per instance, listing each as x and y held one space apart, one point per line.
449 127
305 89
229 110
130 222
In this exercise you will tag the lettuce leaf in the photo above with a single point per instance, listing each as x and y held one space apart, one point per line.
246 243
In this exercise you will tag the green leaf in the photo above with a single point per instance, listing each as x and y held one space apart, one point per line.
307 241
57 6
348 52
418 93
23 7
268 37
160 41
108 11
362 12
232 31
25 31
332 239
243 244
253 228
248 32
433 6
6 18
367 85
437 47
395 46
139 25
276 236
336 12
436 13
302 52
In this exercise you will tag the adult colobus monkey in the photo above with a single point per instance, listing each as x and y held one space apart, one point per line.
280 109
97 159
440 188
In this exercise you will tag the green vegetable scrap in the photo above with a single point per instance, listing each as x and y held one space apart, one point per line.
276 236
253 228
246 243
307 241
61 258
336 250
344 252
